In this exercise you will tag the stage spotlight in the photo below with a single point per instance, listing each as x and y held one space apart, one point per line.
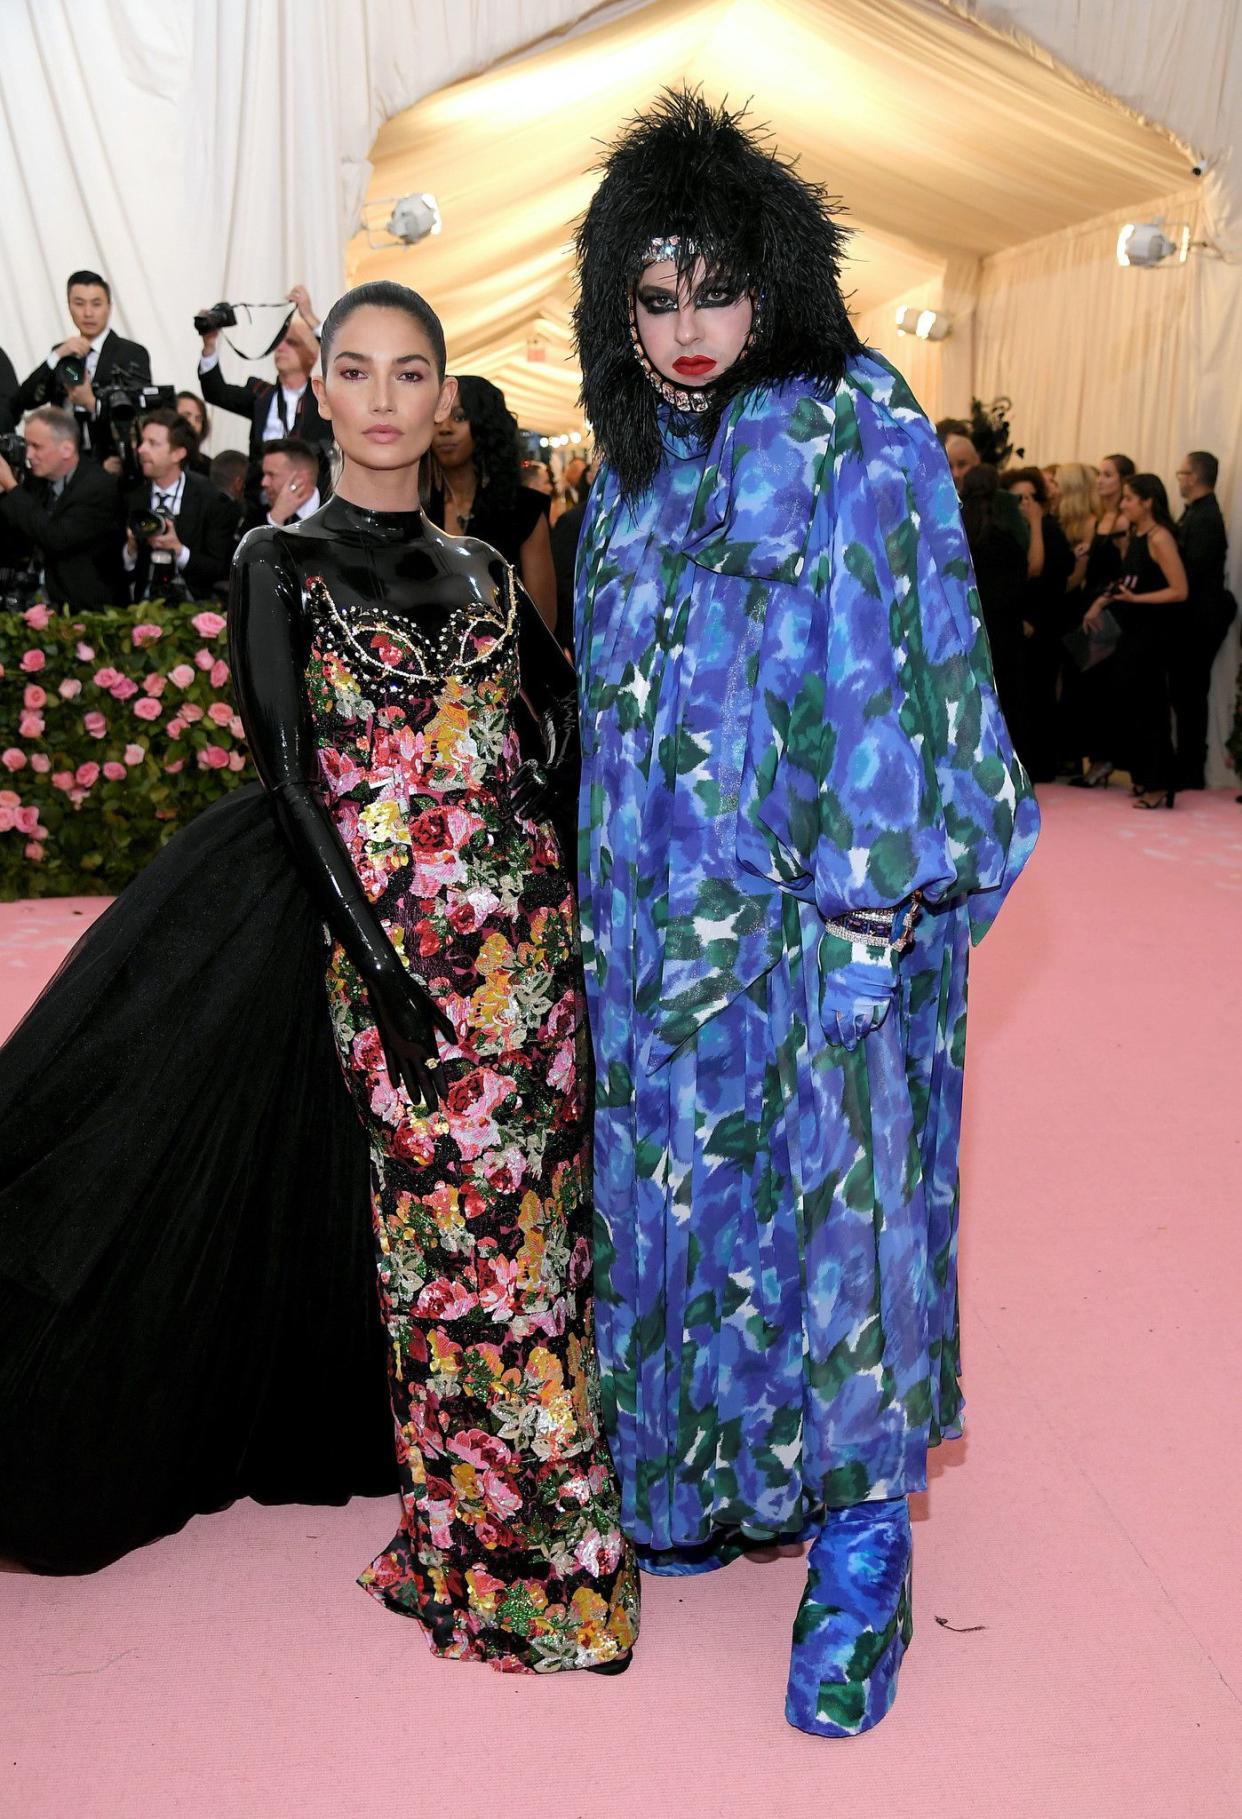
1149 243
413 217
927 324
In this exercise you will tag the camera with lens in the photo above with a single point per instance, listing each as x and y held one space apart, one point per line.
147 525
71 371
211 321
13 450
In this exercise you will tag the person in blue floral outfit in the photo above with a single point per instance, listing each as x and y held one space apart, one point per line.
799 806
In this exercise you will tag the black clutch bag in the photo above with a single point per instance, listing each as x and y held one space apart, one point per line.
1089 646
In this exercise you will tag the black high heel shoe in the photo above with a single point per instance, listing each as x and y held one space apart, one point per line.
1165 801
617 1665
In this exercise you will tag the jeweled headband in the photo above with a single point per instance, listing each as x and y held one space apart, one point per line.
663 247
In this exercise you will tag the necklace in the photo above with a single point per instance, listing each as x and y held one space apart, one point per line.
452 507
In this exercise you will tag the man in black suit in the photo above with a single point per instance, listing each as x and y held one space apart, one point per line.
1206 616
67 513
101 352
274 412
195 548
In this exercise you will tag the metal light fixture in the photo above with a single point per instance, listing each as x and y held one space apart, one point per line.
927 324
1152 242
413 217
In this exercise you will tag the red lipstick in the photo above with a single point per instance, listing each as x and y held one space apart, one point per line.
693 365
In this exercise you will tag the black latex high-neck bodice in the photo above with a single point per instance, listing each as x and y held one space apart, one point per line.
394 562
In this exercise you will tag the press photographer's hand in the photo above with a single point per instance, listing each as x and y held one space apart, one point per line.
77 346
8 479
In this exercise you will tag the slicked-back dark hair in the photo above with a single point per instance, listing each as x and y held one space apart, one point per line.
88 278
685 168
383 293
1205 467
1125 467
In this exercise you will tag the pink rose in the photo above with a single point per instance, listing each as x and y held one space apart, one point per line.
220 713
34 850
39 761
62 779
236 762
123 688
12 759
204 659
145 634
208 625
146 709
107 677
190 713
213 758
34 697
86 775
38 618
155 685
26 820
95 725
182 675
134 754
69 689
30 726
33 661
175 765
114 772
219 674
175 727
85 653
236 728
9 798
8 819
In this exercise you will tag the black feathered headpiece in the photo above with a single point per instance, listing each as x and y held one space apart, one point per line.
686 172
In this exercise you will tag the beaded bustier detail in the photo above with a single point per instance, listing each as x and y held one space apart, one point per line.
396 654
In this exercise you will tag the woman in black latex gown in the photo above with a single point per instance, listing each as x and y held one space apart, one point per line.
209 1161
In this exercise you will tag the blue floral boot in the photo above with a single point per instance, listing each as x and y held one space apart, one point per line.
854 1621
686 1562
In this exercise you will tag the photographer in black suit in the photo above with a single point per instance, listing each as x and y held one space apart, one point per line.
193 550
274 412
84 362
67 512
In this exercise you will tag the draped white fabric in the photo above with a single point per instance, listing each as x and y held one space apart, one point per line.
194 149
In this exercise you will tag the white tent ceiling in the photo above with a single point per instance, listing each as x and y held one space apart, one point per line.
945 140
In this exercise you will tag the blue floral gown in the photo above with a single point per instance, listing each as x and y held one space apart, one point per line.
788 712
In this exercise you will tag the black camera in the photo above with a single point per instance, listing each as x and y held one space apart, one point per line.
220 315
147 524
13 450
128 395
71 370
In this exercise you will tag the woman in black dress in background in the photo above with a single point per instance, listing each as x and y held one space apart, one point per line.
1145 602
479 492
1000 565
1047 613
1091 693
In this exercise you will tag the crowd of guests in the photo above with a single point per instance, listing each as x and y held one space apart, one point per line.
97 510
1103 612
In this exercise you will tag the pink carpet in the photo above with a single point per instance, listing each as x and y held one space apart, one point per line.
1078 1644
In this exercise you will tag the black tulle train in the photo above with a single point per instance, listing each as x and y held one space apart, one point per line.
187 1288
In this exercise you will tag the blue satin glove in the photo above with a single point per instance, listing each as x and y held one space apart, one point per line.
857 984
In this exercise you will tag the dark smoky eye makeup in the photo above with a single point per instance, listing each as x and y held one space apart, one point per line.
657 302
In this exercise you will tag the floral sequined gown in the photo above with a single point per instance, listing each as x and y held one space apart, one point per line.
509 1547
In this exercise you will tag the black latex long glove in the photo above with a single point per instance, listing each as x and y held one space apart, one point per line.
268 669
548 786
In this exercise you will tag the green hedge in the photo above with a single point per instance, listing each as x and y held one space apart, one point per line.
116 728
